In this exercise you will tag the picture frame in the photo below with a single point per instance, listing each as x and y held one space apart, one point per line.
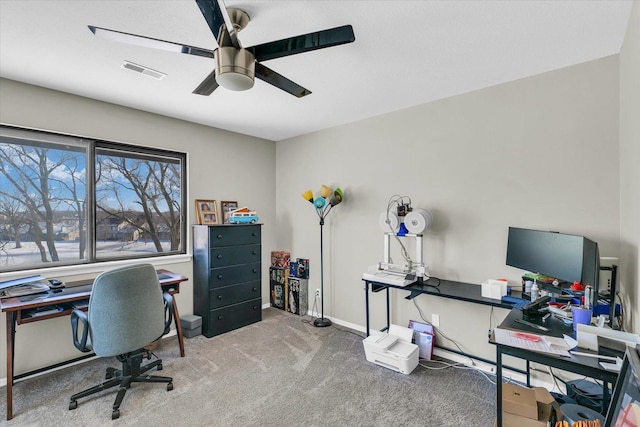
206 212
226 207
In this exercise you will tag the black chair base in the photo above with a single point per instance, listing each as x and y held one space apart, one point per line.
132 371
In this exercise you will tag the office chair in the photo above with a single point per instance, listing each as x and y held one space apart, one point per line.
127 311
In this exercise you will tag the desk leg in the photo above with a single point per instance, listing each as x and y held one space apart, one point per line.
176 319
498 386
528 373
388 311
11 338
366 303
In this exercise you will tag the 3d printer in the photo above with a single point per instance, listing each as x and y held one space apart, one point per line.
400 221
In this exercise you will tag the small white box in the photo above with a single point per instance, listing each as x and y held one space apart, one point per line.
391 352
494 289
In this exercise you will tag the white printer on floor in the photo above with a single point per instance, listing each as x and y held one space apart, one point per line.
393 350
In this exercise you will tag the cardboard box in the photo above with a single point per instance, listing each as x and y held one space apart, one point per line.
303 268
298 296
527 407
280 259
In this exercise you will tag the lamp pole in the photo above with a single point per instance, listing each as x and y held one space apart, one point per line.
323 205
321 322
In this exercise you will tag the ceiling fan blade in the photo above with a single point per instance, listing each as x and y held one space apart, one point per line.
208 85
217 17
279 81
143 41
304 43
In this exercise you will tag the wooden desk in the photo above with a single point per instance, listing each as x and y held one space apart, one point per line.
581 365
15 309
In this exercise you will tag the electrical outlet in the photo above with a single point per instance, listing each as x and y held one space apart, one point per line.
318 295
435 320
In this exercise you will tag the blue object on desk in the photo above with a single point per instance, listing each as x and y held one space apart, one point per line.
518 303
604 309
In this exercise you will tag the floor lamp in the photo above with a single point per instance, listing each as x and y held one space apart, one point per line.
323 205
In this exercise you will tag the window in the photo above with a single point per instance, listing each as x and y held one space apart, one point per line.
67 200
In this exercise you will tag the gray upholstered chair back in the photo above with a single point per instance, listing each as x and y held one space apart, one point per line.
126 310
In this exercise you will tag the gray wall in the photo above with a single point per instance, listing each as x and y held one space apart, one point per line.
213 157
540 152
629 170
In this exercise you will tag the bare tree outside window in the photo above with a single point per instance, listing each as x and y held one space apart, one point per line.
138 201
39 197
59 205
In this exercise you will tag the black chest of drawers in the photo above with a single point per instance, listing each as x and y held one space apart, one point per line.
227 276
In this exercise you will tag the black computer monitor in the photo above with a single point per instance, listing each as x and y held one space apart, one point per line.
566 257
624 409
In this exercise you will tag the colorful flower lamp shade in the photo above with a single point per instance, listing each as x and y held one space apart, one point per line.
323 204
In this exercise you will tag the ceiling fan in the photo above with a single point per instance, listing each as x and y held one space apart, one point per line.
236 66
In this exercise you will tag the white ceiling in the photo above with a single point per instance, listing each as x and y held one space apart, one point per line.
406 53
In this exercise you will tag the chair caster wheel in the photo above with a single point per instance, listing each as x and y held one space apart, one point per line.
73 405
169 386
160 367
115 414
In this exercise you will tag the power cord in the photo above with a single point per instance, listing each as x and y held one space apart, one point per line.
448 365
439 332
433 285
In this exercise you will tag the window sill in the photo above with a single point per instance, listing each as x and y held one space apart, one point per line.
73 270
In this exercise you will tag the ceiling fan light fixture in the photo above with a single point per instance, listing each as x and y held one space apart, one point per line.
235 68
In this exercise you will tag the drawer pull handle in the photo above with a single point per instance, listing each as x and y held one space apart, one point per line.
253 234
219 296
255 307
219 276
219 236
219 256
255 289
254 253
219 317
255 270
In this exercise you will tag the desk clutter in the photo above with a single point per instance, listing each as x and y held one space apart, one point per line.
289 283
24 286
524 407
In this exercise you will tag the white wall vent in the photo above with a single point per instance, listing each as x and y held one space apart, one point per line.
143 70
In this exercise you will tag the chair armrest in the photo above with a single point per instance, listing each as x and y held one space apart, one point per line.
81 317
168 312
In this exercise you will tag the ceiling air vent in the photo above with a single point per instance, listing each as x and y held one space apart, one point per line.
143 70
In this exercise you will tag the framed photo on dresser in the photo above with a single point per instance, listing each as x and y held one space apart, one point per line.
207 212
226 207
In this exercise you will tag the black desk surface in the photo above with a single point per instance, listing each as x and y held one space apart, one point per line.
583 365
446 289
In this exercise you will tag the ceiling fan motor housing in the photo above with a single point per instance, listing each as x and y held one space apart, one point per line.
235 68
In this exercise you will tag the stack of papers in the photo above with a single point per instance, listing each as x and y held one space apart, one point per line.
25 286
534 342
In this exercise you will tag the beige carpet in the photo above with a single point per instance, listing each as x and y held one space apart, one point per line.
281 371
